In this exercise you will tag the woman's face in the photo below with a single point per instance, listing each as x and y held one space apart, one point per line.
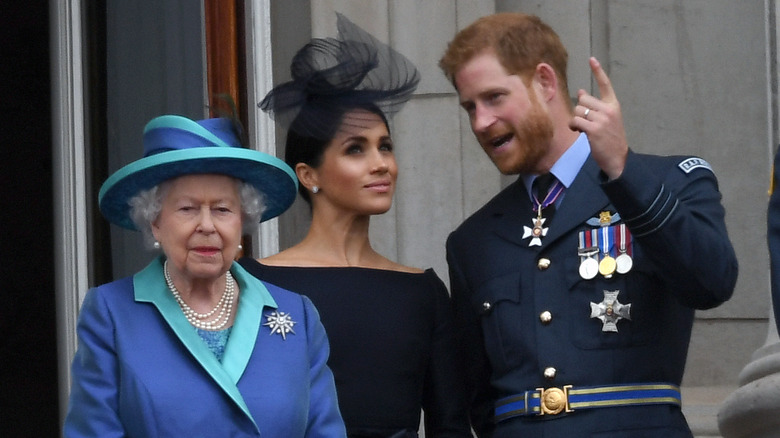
358 170
199 226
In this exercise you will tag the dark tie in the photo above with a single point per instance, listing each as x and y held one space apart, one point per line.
541 188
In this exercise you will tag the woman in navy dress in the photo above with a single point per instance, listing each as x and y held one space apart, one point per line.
389 325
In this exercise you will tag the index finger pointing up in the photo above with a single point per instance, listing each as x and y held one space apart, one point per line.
605 86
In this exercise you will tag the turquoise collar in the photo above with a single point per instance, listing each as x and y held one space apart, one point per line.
149 286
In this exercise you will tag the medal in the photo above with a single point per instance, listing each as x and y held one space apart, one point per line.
607 264
539 230
610 311
589 267
623 262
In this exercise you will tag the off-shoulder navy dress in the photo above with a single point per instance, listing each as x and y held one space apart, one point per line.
392 346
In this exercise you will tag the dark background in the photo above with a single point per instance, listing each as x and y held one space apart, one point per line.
28 338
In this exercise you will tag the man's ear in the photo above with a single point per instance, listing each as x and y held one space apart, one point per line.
546 80
307 175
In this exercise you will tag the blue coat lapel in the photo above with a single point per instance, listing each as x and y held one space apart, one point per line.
254 298
511 212
583 200
150 286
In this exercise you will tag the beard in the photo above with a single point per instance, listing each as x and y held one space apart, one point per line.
533 136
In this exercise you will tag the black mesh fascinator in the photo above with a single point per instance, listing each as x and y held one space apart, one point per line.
331 76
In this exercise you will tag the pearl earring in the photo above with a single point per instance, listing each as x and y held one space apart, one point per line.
240 247
315 189
156 245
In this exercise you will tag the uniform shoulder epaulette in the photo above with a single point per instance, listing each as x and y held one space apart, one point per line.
688 165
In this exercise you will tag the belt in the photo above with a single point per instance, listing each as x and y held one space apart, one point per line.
553 401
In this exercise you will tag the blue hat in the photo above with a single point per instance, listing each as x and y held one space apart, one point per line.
175 146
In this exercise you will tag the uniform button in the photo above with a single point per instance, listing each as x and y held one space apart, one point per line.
549 373
543 264
486 306
545 317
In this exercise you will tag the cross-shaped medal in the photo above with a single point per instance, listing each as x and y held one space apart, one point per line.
610 311
537 232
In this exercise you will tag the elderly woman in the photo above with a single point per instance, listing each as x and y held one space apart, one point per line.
193 345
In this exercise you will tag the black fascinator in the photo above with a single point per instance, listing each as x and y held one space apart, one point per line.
331 76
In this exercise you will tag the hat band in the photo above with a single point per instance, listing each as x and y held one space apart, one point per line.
173 132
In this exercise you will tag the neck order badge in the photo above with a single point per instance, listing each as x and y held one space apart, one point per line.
542 185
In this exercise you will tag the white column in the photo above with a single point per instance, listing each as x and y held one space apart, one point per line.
262 133
70 209
752 410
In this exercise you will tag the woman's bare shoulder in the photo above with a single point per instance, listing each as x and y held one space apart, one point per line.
393 266
299 256
288 257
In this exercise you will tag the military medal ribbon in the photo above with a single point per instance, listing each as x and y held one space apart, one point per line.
623 260
551 197
607 265
589 267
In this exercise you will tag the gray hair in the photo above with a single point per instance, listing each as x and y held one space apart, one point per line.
146 205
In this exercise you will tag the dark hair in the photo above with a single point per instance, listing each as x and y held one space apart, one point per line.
331 77
309 149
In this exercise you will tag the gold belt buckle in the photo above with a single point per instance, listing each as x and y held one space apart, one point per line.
553 401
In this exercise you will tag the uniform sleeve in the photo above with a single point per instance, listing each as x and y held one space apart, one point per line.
444 396
773 238
324 415
93 408
677 217
470 348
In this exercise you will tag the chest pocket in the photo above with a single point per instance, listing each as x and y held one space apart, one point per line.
637 288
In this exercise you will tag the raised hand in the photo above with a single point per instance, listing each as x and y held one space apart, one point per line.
601 119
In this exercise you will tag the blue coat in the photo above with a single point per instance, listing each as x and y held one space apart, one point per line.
141 370
682 260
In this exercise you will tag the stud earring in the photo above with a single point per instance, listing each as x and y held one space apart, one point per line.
156 245
240 247
315 189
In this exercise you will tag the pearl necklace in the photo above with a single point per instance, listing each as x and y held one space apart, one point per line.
225 304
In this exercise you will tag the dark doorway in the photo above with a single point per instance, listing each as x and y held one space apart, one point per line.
28 340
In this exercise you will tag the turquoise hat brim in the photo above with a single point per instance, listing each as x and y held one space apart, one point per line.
269 175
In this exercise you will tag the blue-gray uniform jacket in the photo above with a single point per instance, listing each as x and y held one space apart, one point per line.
773 238
527 319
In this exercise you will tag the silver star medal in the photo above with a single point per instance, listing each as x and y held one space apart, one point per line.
281 323
536 233
610 311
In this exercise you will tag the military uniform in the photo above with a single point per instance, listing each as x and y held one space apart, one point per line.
539 336
773 238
